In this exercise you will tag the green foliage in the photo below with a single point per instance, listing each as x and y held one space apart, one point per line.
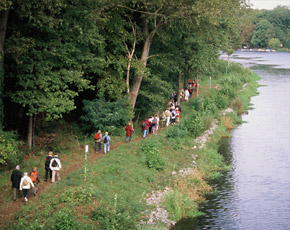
79 195
180 206
10 155
154 159
262 34
106 115
274 43
117 219
64 220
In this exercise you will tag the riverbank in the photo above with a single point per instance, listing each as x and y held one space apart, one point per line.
114 195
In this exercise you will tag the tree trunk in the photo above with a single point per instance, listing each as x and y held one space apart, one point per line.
178 91
3 26
30 132
138 79
197 82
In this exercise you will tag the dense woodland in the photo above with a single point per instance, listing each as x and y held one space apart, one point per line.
100 63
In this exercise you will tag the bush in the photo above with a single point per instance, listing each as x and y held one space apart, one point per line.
9 152
154 159
195 125
79 195
113 219
106 115
64 220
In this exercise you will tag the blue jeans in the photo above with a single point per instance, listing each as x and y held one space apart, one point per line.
144 133
105 147
128 137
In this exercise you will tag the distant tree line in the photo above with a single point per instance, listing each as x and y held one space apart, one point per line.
267 28
82 59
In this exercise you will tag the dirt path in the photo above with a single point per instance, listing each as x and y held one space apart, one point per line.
10 208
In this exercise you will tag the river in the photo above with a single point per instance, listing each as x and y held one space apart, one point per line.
255 193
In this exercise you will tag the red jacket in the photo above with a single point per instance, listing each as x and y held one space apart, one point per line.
177 113
147 124
129 129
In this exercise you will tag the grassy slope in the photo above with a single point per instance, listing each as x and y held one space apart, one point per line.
113 195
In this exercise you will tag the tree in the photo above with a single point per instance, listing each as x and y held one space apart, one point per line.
274 43
52 58
264 31
4 12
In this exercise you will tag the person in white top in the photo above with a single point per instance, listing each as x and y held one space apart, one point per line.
25 184
55 166
186 94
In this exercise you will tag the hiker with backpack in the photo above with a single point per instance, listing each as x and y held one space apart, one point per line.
129 131
162 120
15 179
46 166
150 124
167 115
25 185
154 125
106 139
173 117
34 176
98 141
55 166
144 126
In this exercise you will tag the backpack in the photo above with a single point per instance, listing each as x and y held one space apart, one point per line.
105 139
34 176
25 182
144 124
47 161
97 136
54 163
173 114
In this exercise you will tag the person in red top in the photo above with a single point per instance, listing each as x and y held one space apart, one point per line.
34 176
177 114
129 130
145 125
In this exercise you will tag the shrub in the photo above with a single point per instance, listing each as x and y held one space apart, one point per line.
106 115
9 152
64 220
154 159
195 125
179 206
79 195
117 218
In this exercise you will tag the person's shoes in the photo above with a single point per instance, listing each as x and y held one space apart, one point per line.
45 180
25 199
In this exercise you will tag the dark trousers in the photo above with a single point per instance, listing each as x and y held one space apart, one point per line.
98 147
46 173
25 192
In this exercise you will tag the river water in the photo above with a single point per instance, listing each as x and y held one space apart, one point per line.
255 194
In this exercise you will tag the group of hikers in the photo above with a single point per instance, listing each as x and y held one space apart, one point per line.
27 181
150 125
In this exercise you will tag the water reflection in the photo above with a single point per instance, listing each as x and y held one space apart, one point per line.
255 193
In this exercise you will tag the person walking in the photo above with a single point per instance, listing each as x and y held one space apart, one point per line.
34 176
186 94
177 114
173 117
162 120
129 131
98 141
15 179
106 140
167 114
25 185
46 166
157 123
55 166
145 125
